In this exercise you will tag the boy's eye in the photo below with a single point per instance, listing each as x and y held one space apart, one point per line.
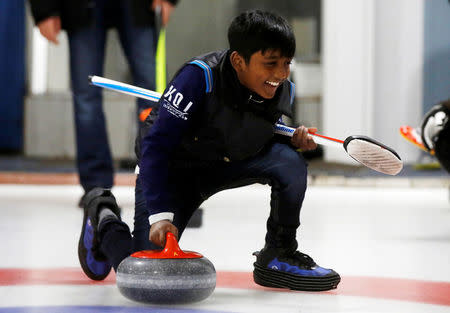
271 63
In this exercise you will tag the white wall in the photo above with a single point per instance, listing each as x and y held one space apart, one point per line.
372 66
398 72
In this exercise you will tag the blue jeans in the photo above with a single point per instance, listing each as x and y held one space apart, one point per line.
87 52
278 165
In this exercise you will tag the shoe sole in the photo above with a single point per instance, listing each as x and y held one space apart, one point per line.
82 250
277 279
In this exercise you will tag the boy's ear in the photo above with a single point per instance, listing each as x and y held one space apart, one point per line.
237 61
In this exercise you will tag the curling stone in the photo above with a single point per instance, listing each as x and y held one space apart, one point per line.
166 277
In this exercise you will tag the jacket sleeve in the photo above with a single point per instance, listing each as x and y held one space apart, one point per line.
42 9
182 99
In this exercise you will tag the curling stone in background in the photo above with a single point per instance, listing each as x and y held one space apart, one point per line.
166 277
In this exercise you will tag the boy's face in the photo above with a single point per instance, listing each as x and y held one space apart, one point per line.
264 73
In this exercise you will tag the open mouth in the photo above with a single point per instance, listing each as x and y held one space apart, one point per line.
273 84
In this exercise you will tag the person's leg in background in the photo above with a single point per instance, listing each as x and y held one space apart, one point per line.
139 45
94 161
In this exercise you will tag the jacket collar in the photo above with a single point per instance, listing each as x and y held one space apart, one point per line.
240 96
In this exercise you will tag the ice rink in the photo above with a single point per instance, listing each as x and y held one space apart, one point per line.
391 247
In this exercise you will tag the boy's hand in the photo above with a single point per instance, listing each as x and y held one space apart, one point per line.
50 28
301 139
158 232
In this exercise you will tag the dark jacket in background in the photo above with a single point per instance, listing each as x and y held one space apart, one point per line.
77 14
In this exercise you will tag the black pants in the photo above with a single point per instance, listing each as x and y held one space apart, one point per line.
278 165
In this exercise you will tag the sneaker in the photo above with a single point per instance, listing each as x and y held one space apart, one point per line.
93 262
293 270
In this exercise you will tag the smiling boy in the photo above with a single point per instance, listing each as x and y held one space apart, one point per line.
214 131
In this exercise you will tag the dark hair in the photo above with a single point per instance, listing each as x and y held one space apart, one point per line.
256 30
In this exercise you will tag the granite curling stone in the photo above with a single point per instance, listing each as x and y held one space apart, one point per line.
169 276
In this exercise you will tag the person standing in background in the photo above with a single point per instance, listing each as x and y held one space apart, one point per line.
86 23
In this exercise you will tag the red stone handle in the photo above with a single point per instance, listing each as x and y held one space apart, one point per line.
171 251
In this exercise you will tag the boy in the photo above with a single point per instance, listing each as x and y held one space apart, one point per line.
214 131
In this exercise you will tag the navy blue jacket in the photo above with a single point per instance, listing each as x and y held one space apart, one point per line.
181 113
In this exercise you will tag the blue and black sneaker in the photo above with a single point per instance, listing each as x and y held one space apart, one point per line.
92 260
280 268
